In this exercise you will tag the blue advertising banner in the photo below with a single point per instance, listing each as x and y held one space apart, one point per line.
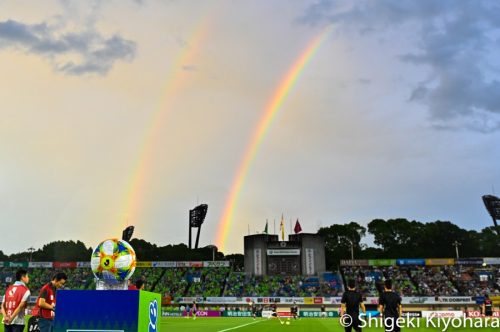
109 310
411 261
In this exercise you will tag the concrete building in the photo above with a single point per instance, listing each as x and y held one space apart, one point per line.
302 254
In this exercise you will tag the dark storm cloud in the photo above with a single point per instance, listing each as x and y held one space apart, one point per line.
88 52
457 40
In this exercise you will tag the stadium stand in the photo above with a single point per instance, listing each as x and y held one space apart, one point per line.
427 281
173 283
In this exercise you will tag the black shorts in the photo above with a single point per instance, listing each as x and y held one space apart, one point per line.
355 324
488 313
391 324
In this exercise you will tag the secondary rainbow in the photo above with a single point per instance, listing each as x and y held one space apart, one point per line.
134 195
270 111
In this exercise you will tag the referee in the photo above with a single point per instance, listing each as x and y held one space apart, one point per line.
350 303
390 307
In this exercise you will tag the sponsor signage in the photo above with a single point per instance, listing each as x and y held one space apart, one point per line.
204 313
492 261
216 264
381 262
143 264
310 270
232 313
442 314
195 264
283 252
332 300
412 314
266 313
257 262
354 262
183 264
308 300
456 299
83 264
438 300
171 314
16 264
163 264
317 314
64 265
220 300
40 264
470 261
418 300
477 313
411 261
440 261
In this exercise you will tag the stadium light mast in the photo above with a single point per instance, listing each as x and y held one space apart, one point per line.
127 233
456 244
213 251
31 249
351 244
352 248
196 219
492 204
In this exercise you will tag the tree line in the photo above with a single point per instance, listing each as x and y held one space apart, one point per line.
71 251
401 238
392 238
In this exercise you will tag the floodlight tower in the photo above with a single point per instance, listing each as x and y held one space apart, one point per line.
127 233
492 204
196 219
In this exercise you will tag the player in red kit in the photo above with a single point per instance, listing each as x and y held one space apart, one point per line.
47 301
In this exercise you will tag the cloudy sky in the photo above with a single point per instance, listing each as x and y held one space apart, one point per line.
132 112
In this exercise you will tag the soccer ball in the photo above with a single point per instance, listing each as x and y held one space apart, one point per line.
113 261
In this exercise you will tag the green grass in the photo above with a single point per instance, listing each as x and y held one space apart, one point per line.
265 325
272 325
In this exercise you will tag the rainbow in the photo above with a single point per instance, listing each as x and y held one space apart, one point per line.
175 82
272 108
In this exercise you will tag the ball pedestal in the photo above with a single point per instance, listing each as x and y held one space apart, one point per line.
107 310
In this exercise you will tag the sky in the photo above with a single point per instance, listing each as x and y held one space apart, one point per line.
129 112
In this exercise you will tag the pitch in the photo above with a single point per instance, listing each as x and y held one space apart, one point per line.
272 325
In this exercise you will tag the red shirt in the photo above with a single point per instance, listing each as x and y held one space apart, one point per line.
48 293
13 297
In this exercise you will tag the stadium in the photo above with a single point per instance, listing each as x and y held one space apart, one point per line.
287 272
370 126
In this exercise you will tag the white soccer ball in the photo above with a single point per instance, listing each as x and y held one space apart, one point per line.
113 261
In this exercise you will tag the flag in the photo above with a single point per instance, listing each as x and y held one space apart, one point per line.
297 228
282 228
265 229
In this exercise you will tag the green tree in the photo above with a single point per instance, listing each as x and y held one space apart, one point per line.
338 240
396 237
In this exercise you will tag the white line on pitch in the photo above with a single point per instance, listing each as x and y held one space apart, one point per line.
237 327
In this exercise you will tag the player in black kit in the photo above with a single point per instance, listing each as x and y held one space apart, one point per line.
294 310
350 304
254 310
390 307
487 306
